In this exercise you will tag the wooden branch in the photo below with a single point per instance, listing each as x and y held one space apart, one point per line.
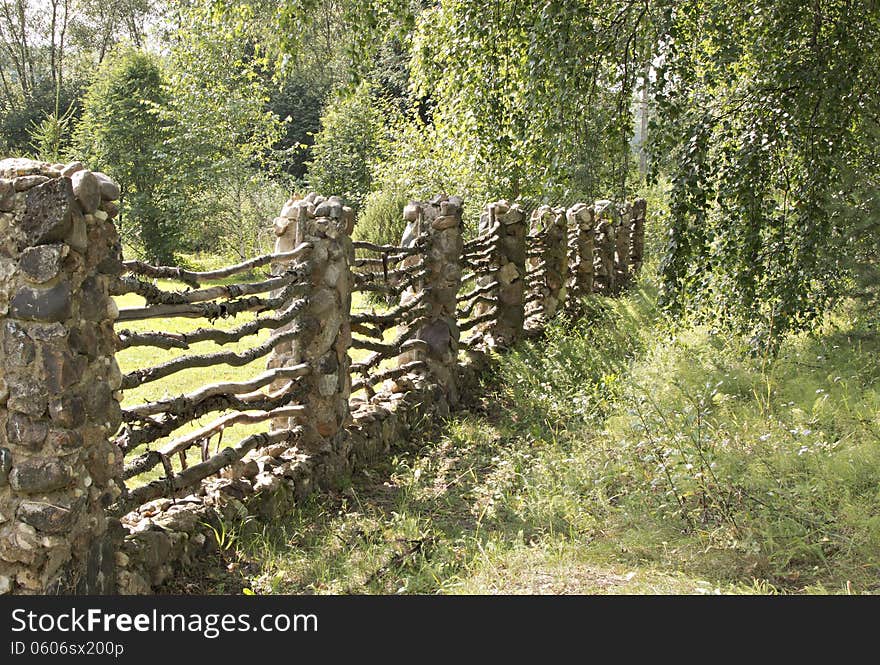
156 428
364 329
485 318
384 350
385 249
212 310
465 312
148 374
480 290
151 458
392 373
378 356
193 278
392 315
359 278
219 336
198 472
182 402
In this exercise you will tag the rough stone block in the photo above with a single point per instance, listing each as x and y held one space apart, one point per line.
52 304
48 215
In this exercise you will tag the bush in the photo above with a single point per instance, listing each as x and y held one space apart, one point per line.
381 220
347 146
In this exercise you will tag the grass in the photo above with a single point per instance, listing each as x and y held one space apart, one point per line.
619 455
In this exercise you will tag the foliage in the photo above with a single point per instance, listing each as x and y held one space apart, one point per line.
122 133
48 53
538 95
219 127
381 221
49 136
768 114
347 145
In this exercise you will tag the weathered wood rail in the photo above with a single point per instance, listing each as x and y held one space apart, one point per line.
102 494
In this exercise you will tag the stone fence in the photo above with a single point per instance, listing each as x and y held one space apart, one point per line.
108 480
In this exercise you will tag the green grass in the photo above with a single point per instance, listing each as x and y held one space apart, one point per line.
620 455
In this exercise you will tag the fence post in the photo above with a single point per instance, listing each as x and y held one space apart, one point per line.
440 220
622 238
325 322
581 221
58 379
637 234
548 265
508 258
605 246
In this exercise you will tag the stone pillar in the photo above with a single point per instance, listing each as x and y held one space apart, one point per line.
324 322
605 247
58 379
509 262
622 222
581 221
550 265
637 234
440 219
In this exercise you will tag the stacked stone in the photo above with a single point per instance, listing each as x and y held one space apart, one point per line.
508 222
637 234
287 238
604 248
550 264
440 220
581 222
622 237
59 381
325 324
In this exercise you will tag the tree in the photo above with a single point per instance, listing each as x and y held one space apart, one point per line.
350 141
122 133
767 111
219 127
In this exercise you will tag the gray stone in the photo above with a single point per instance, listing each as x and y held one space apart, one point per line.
50 332
411 212
5 465
46 517
87 190
78 238
17 346
62 369
110 265
48 215
84 340
27 396
51 304
109 189
72 168
42 263
26 182
93 301
98 397
7 195
60 438
444 222
18 166
330 209
24 431
40 476
67 411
